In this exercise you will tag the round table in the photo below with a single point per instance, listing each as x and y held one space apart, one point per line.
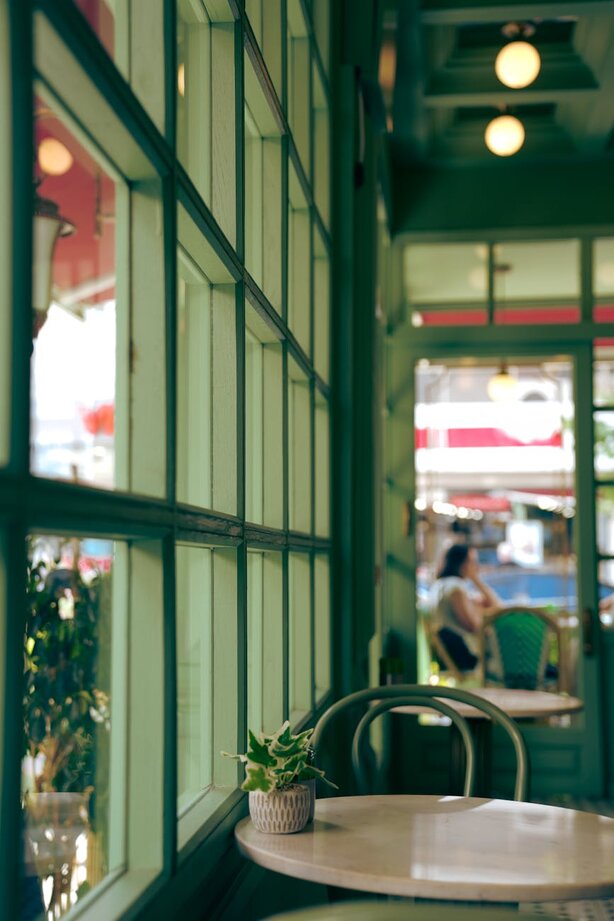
445 848
519 704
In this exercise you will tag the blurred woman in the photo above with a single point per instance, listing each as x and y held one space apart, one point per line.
458 601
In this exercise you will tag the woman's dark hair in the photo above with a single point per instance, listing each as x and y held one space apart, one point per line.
453 560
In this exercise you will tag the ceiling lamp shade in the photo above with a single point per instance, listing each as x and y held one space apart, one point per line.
504 135
48 227
502 387
518 64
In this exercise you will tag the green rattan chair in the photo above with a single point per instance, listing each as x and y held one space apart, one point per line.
520 639
391 696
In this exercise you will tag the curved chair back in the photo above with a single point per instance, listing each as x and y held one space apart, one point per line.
412 700
430 693
521 635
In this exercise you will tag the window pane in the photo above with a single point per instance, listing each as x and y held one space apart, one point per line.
6 196
605 520
321 163
74 295
206 389
299 448
300 636
265 698
299 277
72 711
322 625
206 579
604 445
322 472
264 494
102 18
539 271
603 377
450 273
205 109
321 308
299 65
194 673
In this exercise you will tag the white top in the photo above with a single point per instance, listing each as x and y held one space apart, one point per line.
446 847
442 613
519 704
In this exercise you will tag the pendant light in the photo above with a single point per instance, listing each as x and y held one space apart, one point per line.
49 226
504 135
519 62
503 386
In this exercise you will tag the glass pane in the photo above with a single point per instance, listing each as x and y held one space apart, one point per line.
206 579
540 271
603 270
299 636
604 444
299 276
194 673
321 162
448 273
322 471
321 308
74 321
603 377
299 448
264 493
265 698
321 23
606 593
323 626
101 16
605 520
73 808
299 66
495 473
206 391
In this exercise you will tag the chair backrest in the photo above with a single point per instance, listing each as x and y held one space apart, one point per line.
439 651
521 637
412 693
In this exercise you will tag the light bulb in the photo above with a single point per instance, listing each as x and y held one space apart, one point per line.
518 64
53 157
504 135
502 387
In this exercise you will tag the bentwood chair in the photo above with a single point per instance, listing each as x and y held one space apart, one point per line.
520 638
419 695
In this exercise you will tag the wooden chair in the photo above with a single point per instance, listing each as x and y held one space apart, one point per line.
419 694
441 654
520 639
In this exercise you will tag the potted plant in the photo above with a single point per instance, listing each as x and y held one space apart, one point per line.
280 779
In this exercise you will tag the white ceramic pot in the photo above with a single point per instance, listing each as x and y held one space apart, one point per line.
280 812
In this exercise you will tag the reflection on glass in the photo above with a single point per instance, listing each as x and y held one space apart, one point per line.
538 271
604 444
265 646
194 94
499 476
322 625
67 709
73 357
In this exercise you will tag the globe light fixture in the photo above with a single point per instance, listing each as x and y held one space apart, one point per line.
503 386
49 226
518 64
504 135
54 158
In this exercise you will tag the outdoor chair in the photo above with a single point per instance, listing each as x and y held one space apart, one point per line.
519 639
424 695
439 653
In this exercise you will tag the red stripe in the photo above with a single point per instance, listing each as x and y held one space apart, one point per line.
480 438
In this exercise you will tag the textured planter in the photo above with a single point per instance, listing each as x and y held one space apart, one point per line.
280 812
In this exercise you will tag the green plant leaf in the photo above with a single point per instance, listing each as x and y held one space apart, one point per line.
257 779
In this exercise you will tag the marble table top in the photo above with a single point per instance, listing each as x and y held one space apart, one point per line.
519 704
448 847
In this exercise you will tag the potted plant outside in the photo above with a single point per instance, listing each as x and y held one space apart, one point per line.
280 780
